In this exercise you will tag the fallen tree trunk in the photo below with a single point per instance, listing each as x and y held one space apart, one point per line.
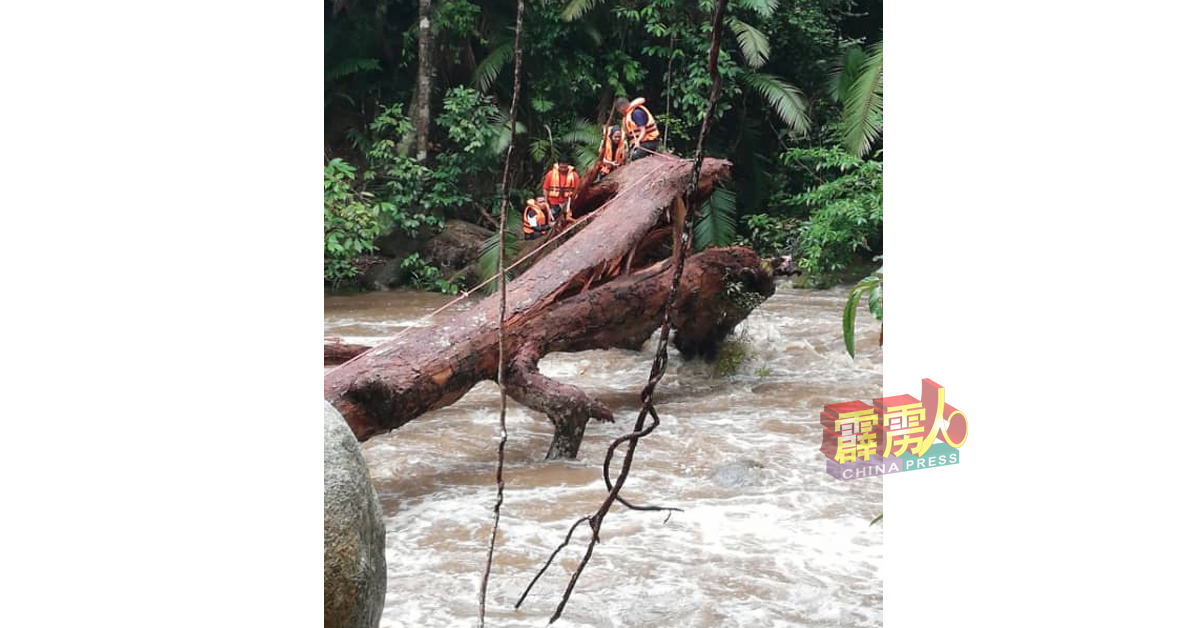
338 352
401 379
587 293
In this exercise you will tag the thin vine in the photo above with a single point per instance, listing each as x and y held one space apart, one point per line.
658 369
503 288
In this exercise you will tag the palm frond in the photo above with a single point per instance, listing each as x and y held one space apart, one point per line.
717 223
862 115
540 149
489 251
353 65
784 98
583 132
489 69
576 8
841 79
762 7
585 156
502 134
755 47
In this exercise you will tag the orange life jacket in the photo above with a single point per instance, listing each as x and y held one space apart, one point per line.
536 212
611 154
631 128
559 187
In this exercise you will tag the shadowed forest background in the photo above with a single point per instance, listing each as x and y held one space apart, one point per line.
416 128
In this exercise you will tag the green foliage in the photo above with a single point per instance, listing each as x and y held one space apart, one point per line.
732 355
876 520
785 99
738 298
717 223
872 285
456 16
754 44
393 191
489 252
352 221
862 116
427 277
489 68
846 210
764 8
577 56
772 235
574 9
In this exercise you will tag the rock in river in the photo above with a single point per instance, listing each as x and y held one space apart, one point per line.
355 570
739 473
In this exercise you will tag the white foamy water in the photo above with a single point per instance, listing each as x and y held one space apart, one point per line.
766 538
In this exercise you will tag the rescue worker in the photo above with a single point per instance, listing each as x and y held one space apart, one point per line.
639 126
558 186
536 218
611 155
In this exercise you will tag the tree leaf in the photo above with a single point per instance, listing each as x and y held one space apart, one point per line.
848 316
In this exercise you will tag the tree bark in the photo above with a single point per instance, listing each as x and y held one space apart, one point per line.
338 352
401 379
424 77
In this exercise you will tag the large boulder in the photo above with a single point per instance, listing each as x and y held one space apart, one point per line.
456 247
355 569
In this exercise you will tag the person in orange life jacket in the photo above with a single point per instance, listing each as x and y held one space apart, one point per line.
639 126
611 155
559 185
536 219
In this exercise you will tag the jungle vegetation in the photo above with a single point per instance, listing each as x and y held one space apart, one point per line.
417 94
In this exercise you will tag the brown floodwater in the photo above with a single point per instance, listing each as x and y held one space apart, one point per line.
766 538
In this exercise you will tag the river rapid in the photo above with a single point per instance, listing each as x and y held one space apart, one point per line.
767 538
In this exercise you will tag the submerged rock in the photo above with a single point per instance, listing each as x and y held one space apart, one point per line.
742 472
355 569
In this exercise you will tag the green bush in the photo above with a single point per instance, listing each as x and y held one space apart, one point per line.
353 219
845 222
393 191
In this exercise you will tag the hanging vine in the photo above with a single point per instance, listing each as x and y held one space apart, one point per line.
658 369
503 288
